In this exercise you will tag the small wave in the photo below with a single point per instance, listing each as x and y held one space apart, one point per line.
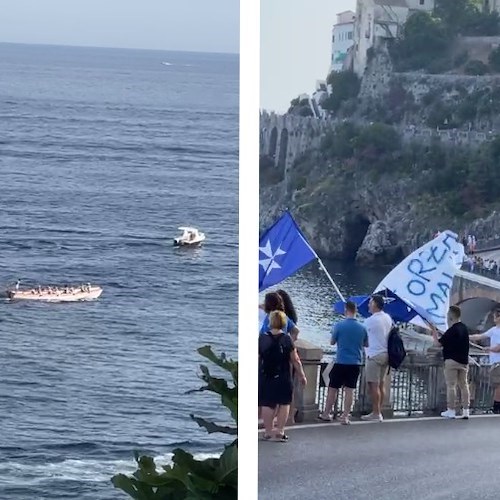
166 63
82 446
68 230
83 471
18 246
139 244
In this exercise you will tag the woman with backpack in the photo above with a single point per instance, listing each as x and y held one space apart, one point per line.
279 301
277 355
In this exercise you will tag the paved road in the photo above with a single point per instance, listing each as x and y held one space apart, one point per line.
417 459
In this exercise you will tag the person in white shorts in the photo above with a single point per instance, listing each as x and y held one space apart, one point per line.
494 349
378 326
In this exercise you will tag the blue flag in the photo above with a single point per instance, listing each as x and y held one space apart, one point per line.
398 309
283 250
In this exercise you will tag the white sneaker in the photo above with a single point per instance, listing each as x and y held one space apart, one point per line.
372 416
465 414
449 414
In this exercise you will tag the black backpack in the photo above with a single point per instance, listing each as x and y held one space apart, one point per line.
395 348
272 357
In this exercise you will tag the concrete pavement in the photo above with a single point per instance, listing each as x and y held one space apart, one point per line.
410 459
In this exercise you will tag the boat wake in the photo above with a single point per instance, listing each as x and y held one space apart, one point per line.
84 471
165 63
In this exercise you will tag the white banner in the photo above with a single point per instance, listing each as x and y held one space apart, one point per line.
425 277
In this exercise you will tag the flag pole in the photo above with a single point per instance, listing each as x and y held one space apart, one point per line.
323 268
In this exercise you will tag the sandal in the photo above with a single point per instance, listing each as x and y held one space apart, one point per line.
282 438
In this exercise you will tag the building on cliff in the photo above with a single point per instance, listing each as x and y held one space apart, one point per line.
342 39
377 20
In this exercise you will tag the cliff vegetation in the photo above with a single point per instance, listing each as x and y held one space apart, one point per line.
366 195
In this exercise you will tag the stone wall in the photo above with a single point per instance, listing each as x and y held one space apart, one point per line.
380 73
444 88
450 137
285 137
377 76
420 84
477 47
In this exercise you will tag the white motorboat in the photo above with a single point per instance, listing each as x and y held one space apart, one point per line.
190 237
57 294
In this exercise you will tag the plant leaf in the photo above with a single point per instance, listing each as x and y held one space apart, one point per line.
126 484
188 478
228 463
211 427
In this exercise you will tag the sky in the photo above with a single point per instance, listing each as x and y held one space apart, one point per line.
183 25
295 50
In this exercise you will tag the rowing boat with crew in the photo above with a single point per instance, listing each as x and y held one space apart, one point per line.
55 293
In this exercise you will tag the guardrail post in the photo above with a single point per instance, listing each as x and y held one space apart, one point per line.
436 383
305 397
387 408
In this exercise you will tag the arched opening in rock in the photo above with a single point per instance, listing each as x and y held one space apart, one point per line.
273 142
356 227
283 148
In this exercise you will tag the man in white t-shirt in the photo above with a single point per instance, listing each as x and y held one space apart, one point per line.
494 349
378 326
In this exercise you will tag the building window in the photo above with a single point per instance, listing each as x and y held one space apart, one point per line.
333 38
422 2
349 35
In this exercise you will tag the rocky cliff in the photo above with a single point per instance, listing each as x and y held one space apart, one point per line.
349 215
363 194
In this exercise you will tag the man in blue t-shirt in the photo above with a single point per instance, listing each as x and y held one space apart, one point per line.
351 337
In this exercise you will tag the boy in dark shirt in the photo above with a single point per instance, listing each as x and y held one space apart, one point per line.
455 343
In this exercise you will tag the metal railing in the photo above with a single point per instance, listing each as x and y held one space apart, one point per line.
416 389
482 271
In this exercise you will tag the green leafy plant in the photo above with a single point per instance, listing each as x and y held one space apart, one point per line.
459 181
345 85
475 68
467 17
461 58
427 39
494 60
188 478
424 40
